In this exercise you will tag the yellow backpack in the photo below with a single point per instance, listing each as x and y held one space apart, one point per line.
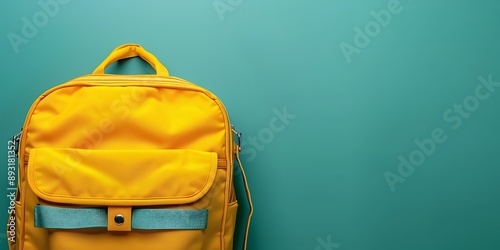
128 162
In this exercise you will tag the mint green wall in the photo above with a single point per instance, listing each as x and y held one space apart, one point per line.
391 134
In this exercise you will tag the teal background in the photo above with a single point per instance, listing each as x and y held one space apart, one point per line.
321 178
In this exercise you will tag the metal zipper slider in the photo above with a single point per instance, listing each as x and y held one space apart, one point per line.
16 139
238 135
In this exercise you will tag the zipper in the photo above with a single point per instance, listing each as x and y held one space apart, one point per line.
238 135
91 80
121 79
16 138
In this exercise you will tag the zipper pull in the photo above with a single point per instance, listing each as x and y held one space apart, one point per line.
238 135
16 139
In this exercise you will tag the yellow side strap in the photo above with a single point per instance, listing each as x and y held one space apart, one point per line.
249 199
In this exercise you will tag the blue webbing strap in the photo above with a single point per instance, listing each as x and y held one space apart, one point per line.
74 218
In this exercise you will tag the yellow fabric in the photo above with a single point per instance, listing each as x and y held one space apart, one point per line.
123 141
51 176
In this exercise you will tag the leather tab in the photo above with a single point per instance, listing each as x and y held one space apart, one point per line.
119 218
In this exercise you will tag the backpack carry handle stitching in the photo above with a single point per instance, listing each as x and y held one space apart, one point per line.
131 50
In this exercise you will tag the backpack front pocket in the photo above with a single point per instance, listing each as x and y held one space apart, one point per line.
126 199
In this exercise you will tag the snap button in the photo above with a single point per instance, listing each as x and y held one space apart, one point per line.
119 219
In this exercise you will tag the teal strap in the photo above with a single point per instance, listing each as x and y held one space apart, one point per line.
169 219
68 218
152 219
